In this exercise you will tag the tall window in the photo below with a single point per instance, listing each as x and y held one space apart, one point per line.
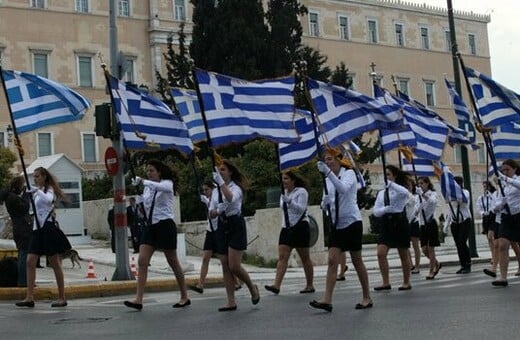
481 153
402 85
85 71
343 27
180 10
399 35
314 29
44 144
447 40
40 64
472 44
3 139
372 31
88 143
425 38
457 154
82 6
129 71
429 90
124 8
38 3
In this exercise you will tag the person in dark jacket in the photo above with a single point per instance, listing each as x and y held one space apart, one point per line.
17 202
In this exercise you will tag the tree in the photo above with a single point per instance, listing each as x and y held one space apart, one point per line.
7 159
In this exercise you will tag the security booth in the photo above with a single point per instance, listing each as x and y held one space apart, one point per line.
68 174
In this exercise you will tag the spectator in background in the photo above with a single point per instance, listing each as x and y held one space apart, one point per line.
110 221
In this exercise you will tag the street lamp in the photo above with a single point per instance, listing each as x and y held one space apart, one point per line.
10 133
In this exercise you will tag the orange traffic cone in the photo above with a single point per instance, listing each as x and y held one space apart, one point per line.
133 268
90 270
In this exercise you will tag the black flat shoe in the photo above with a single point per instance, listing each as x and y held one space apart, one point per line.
256 300
439 266
227 309
409 287
499 283
196 289
238 287
133 305
29 304
490 273
307 291
368 305
272 289
387 287
319 305
341 278
182 305
59 304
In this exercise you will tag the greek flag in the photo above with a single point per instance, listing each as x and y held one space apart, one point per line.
430 133
297 154
37 102
461 111
423 167
496 104
237 111
451 190
506 141
345 114
455 135
146 122
187 103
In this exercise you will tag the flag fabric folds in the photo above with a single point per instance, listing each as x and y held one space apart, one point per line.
297 154
37 102
429 132
461 111
451 190
496 104
146 122
506 141
423 167
187 103
237 111
344 114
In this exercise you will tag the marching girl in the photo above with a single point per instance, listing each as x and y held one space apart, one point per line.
48 240
231 234
509 206
347 231
412 207
429 227
295 231
395 232
161 231
489 223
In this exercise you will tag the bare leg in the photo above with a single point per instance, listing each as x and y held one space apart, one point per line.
341 267
493 249
516 249
206 257
362 274
173 261
145 254
503 258
55 263
434 264
404 254
382 260
229 281
284 252
32 260
335 255
308 267
234 261
416 252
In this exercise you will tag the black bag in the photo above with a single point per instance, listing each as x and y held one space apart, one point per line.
376 224
223 223
9 272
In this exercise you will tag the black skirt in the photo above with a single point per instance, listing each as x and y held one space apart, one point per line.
161 235
297 236
48 240
395 232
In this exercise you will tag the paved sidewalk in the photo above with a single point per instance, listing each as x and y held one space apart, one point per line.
161 278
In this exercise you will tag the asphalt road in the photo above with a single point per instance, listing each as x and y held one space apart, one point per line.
450 307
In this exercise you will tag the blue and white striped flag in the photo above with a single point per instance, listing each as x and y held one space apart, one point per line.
345 114
423 167
297 154
461 111
430 133
237 110
506 141
451 190
496 104
37 102
146 122
187 103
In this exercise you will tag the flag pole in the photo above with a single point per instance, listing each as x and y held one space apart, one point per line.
18 145
463 149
